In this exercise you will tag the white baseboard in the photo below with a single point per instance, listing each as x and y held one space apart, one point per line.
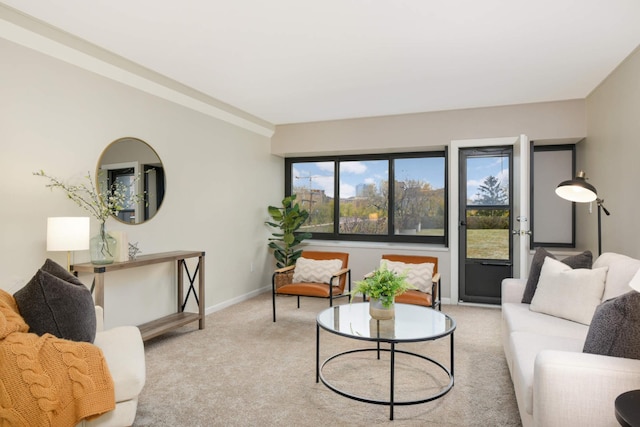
236 300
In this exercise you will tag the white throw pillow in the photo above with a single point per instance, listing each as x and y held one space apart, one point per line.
567 293
316 271
419 275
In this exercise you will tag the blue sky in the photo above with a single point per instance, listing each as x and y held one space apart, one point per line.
320 174
479 168
352 173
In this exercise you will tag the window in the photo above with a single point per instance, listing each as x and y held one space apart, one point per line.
552 218
350 197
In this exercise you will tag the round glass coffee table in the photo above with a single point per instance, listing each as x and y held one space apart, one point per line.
412 323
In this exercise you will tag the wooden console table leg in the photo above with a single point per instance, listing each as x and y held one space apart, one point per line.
201 291
98 279
180 284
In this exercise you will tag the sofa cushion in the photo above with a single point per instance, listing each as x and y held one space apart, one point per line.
582 260
615 328
56 302
309 270
418 275
517 317
524 347
567 293
621 270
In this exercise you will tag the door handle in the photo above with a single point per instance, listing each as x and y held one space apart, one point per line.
463 223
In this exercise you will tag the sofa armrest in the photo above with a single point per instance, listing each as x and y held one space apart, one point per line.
99 319
123 350
575 389
513 290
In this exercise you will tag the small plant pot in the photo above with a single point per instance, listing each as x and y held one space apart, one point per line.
379 312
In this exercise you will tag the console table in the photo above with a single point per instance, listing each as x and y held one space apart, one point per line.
180 318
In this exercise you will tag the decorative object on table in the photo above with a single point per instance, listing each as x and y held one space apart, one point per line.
133 251
122 245
287 219
382 286
579 190
101 205
68 234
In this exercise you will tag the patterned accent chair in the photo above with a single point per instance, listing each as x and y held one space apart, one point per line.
415 296
316 274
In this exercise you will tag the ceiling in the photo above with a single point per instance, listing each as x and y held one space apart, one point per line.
291 61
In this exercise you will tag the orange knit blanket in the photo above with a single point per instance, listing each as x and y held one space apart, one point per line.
47 381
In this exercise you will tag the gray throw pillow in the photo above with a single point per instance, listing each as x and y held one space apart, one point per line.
615 328
582 260
58 304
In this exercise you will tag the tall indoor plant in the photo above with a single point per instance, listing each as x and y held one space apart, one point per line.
101 205
287 219
382 286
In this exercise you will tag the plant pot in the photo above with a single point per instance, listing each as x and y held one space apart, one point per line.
380 312
103 247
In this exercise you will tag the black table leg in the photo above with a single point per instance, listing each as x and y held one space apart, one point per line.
393 368
317 353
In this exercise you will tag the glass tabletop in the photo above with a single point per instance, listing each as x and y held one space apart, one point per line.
411 323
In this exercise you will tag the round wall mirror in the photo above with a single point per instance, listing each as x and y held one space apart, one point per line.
136 167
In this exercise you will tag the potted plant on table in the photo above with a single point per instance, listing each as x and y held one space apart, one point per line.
382 286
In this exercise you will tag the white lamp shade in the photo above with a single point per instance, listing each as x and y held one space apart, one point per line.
635 282
68 233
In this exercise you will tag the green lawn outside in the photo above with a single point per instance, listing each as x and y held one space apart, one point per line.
488 244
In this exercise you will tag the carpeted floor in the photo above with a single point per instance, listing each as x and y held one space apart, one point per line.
245 370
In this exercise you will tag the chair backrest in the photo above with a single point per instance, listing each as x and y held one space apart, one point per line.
413 259
321 256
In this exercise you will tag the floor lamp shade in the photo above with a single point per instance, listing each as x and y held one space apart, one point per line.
68 233
577 189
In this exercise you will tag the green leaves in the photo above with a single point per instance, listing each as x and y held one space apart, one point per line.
383 284
287 219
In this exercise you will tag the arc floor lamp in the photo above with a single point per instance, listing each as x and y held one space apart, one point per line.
579 190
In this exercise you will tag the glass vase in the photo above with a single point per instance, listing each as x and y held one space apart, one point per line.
103 247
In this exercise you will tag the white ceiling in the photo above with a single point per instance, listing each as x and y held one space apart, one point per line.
290 61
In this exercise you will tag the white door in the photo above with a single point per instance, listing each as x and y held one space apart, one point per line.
522 231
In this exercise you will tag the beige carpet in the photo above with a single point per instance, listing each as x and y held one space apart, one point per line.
245 370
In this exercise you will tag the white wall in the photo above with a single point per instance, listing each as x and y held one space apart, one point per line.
220 178
609 157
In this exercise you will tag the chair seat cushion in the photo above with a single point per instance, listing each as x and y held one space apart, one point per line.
415 297
308 289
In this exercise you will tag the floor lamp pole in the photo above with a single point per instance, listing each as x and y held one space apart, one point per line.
600 209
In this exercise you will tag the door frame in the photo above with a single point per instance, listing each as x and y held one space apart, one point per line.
521 164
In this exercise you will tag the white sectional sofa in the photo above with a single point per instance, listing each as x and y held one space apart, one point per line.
555 383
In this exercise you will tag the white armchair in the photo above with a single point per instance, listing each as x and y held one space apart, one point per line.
123 350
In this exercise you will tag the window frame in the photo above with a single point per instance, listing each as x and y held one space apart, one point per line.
533 243
390 237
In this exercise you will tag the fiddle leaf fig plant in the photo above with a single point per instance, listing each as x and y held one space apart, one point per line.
287 219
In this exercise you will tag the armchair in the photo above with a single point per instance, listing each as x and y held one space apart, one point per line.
416 296
309 278
123 350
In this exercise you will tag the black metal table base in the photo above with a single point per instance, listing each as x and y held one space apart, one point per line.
392 350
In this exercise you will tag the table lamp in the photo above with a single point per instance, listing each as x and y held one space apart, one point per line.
579 190
68 234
